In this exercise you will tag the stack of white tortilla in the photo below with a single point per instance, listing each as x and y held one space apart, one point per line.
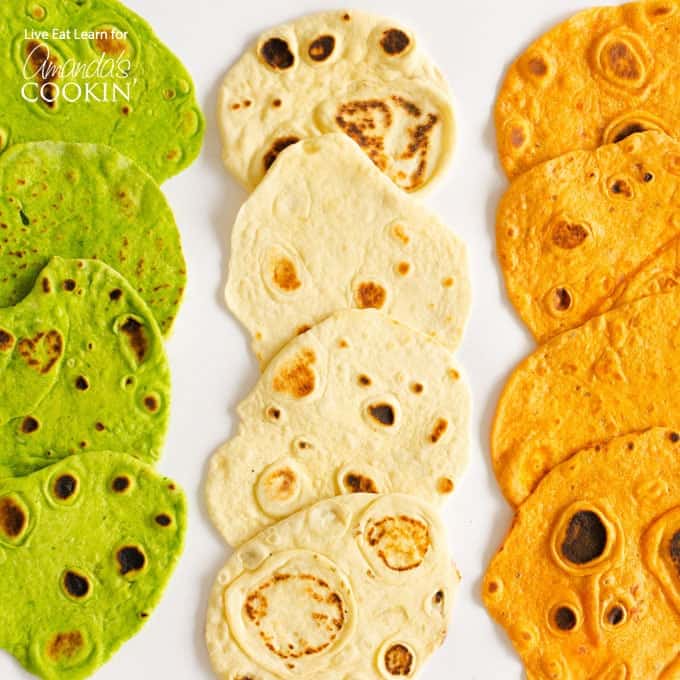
355 296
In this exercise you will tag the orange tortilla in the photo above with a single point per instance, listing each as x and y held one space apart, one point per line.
617 373
587 583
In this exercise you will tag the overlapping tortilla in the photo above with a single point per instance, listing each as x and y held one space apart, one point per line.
87 546
87 201
326 231
580 234
615 374
82 366
354 587
102 76
357 403
342 71
587 584
604 74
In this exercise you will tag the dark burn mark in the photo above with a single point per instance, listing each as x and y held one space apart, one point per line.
569 235
276 148
517 137
562 299
370 295
438 597
274 412
647 177
674 437
438 430
537 66
29 425
417 388
24 218
408 106
297 377
398 660
151 403
285 277
76 585
100 427
674 550
394 41
622 188
130 559
120 484
115 294
136 336
627 131
82 383
383 413
357 119
622 61
615 615
6 340
13 519
565 618
322 48
163 520
65 645
69 285
357 483
46 286
51 345
277 54
586 538
364 380
45 69
65 486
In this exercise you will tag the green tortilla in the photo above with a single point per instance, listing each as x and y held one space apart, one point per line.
82 366
110 81
87 546
87 201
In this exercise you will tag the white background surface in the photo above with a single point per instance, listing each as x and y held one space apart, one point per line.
473 43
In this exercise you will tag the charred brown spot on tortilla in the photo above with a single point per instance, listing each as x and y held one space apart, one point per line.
276 148
285 275
277 54
447 282
115 294
65 486
438 597
29 424
445 485
311 592
120 484
358 483
65 645
125 110
417 388
585 539
537 66
296 376
358 120
303 329
163 520
76 585
151 403
622 61
364 380
627 131
13 519
674 437
136 334
674 551
561 299
438 430
621 187
82 383
370 295
401 542
565 618
569 235
383 414
615 615
46 285
130 560
100 427
408 106
45 70
6 340
276 103
399 660
394 41
108 41
69 285
273 413
281 484
321 48
517 137
42 351
403 268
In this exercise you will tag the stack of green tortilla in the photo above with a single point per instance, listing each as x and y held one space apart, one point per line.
92 275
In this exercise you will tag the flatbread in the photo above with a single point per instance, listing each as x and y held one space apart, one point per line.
357 403
606 73
615 374
354 587
349 72
111 81
587 584
87 547
326 231
574 233
82 366
87 201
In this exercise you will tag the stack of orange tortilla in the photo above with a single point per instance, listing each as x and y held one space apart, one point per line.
585 437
